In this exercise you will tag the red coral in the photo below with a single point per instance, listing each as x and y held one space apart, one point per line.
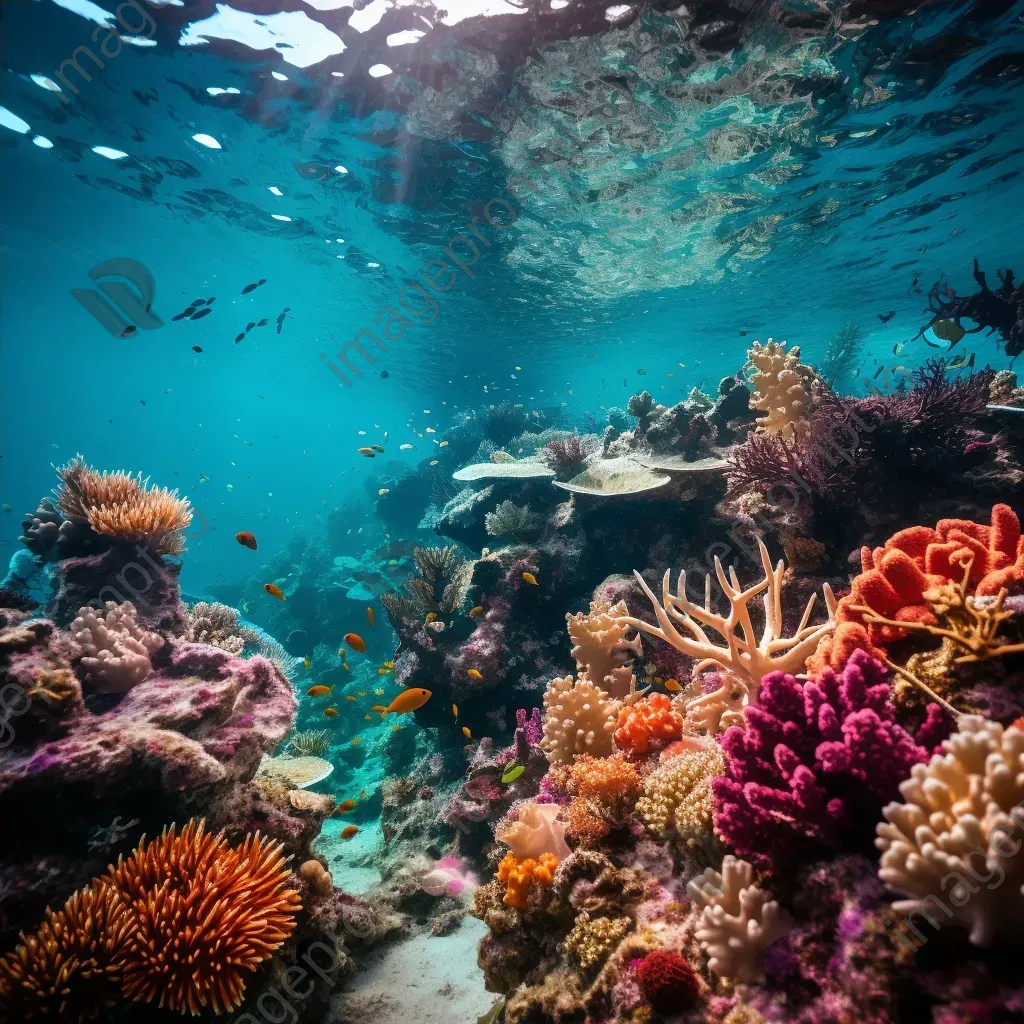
896 575
648 725
667 981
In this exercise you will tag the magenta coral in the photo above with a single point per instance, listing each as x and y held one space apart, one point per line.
814 763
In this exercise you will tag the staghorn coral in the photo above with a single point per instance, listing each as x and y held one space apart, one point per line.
521 877
123 506
593 938
815 760
70 968
218 625
534 830
782 388
648 725
579 718
511 520
953 844
738 921
310 743
677 795
600 649
114 651
745 658
440 585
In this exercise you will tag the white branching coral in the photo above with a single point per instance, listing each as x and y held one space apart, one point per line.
953 846
600 647
743 657
114 651
782 388
579 718
738 920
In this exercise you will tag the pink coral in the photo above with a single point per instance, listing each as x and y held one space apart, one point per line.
815 762
650 724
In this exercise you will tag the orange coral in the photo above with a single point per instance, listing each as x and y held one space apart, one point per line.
648 725
520 877
70 968
124 506
604 791
204 916
895 577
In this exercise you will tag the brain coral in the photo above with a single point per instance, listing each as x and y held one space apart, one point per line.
579 719
953 844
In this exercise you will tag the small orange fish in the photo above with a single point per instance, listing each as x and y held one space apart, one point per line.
530 578
368 452
474 673
395 728
431 617
305 663
673 685
370 616
345 806
455 710
382 671
356 741
350 699
367 718
274 591
362 794
344 665
474 612
330 712
246 539
349 831
319 690
466 732
406 701
356 642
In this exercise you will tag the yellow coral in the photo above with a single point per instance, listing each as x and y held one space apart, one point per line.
593 938
602 653
678 795
520 877
782 388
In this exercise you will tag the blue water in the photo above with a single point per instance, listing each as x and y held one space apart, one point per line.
669 197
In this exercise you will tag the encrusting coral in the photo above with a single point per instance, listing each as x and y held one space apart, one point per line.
114 651
953 845
782 388
738 920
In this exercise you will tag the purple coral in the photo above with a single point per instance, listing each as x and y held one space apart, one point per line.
814 764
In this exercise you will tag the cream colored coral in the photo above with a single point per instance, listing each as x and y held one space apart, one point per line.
738 920
579 718
711 713
743 656
600 648
953 845
114 650
535 831
678 795
782 388
210 622
593 938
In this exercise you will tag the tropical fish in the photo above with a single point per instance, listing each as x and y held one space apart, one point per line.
330 712
319 690
378 692
962 362
274 591
360 693
405 447
371 616
455 710
431 616
356 642
673 685
530 578
377 447
368 452
433 462
443 444
382 492
345 806
349 831
476 610
252 287
356 741
948 330
350 698
246 539
511 773
305 663
886 317
466 732
406 701
474 673
196 348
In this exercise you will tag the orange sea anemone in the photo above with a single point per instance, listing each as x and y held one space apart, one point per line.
123 506
204 916
648 725
70 968
520 877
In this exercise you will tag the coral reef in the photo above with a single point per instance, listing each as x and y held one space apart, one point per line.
782 389
113 650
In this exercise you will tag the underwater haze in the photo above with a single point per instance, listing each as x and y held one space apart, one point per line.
372 369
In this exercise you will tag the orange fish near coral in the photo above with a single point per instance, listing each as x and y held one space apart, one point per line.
474 673
476 610
408 700
370 616
530 578
356 642
345 806
349 831
319 690
274 591
466 732
246 539
330 712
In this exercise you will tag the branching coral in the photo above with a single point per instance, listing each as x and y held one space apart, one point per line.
782 388
744 658
677 795
521 877
815 760
602 653
123 506
738 921
114 650
511 520
440 586
953 844
579 718
593 938
218 625
648 725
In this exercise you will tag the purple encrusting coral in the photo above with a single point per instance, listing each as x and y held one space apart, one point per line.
815 762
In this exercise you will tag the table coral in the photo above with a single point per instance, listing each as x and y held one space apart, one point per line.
953 844
648 725
815 760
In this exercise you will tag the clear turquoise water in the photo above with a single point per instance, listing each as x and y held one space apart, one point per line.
667 198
